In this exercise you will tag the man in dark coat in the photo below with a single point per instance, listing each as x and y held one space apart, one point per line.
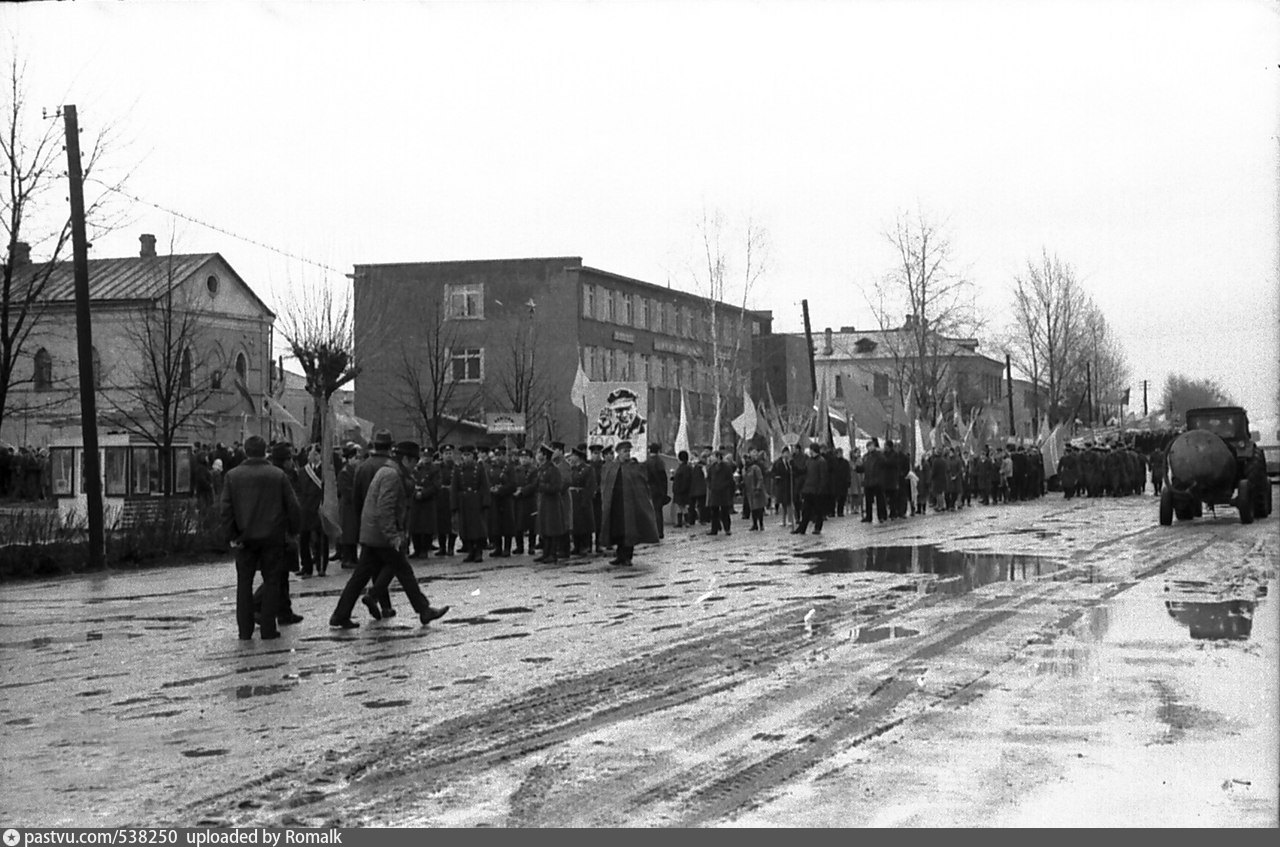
526 502
472 499
551 522
1159 464
720 487
582 494
446 536
281 455
891 478
627 505
311 541
782 482
1069 472
814 491
698 489
873 465
562 464
841 470
347 511
502 512
422 506
595 459
259 511
656 473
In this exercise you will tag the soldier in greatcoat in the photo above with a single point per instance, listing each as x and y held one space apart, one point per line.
656 472
1159 464
626 505
471 500
422 506
551 517
347 513
562 464
1069 472
526 501
502 514
582 494
446 532
595 460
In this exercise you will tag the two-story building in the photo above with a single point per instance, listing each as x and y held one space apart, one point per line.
507 336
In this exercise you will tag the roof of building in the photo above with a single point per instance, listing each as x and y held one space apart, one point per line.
135 277
879 343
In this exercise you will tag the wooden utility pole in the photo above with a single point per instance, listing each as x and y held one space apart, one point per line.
84 345
1144 398
1088 387
808 340
1008 369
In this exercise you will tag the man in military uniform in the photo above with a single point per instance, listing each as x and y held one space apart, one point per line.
422 506
838 481
526 501
1069 472
471 499
656 473
551 516
502 512
627 506
1159 464
562 465
595 460
446 537
582 494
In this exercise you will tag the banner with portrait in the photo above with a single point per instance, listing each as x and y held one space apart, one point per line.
618 411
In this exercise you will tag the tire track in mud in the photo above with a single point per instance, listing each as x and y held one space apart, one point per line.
394 773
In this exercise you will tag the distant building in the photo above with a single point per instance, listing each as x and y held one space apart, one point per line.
225 359
507 336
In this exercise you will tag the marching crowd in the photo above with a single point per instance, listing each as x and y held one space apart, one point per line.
396 503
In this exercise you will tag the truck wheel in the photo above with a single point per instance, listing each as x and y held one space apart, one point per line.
1185 512
1244 502
1166 507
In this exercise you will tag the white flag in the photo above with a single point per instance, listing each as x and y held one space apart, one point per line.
682 434
578 393
715 432
745 423
920 450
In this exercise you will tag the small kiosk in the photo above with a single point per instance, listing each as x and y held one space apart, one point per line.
134 479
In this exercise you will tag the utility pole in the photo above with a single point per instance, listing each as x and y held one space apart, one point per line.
1088 388
84 344
1144 398
808 340
1008 367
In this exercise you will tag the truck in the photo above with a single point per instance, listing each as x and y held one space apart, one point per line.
1215 462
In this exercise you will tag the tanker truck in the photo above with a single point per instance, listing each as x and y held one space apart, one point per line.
1215 462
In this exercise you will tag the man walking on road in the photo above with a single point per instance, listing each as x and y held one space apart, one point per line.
259 513
384 543
626 505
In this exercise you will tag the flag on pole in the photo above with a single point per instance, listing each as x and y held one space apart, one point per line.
578 393
1052 452
682 434
246 396
920 449
715 431
330 516
280 412
745 423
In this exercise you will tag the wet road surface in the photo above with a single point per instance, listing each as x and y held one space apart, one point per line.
1050 662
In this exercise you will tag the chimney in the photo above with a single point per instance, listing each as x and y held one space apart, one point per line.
21 254
827 349
148 246
910 322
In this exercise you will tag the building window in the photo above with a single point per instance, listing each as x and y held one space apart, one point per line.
464 301
215 380
611 307
642 313
212 285
466 364
656 312
628 310
184 375
588 300
242 367
880 385
839 387
646 372
44 370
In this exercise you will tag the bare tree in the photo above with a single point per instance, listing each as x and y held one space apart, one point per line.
525 383
1101 349
35 217
435 397
168 379
1181 392
731 263
317 325
1045 342
937 301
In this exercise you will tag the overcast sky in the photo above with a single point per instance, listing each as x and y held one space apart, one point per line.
1137 140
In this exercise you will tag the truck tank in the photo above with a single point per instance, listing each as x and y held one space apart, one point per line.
1203 463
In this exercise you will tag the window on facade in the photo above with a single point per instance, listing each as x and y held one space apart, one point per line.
839 386
242 367
466 364
642 313
43 377
645 372
115 471
655 312
880 385
464 301
628 310
215 379
184 374
588 300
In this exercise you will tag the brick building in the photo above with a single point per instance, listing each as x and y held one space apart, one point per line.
461 340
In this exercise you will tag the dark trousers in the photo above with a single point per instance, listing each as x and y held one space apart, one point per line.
757 518
372 560
873 502
659 500
395 565
698 508
720 517
253 557
313 547
813 508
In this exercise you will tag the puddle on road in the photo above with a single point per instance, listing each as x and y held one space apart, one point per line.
957 571
384 704
1222 619
883 633
473 621
201 753
244 691
510 610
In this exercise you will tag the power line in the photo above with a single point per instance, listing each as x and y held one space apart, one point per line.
217 228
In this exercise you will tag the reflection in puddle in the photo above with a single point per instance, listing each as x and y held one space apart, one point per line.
958 572
882 633
1229 619
244 691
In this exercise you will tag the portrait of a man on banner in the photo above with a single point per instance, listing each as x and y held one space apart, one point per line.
619 411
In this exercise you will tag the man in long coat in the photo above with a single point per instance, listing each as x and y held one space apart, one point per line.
562 464
502 514
782 492
841 470
472 499
582 493
656 472
446 534
1159 464
312 546
422 506
720 492
347 511
626 511
1069 472
526 502
754 492
551 517
814 492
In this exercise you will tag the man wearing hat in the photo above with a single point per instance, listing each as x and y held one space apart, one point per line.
873 468
346 482
596 462
626 506
384 541
551 517
379 457
526 501
281 456
720 488
446 537
472 499
814 491
562 464
422 506
582 491
502 511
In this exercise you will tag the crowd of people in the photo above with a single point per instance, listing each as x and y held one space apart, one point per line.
397 503
24 473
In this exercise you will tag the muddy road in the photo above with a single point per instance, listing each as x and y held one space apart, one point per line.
1056 662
